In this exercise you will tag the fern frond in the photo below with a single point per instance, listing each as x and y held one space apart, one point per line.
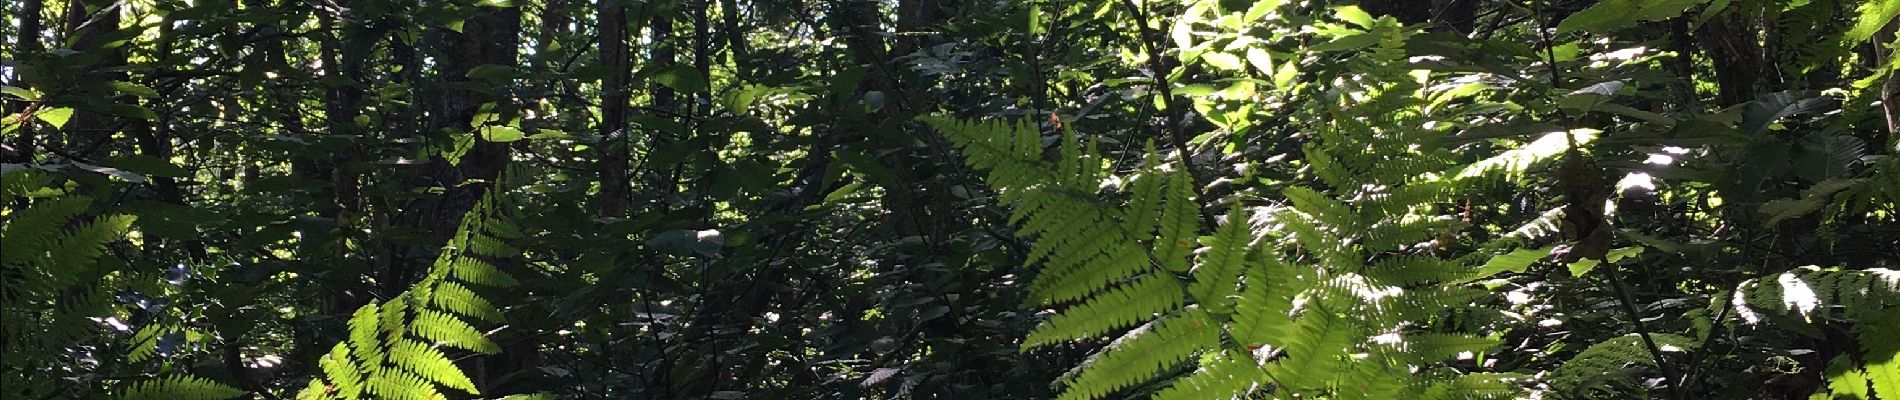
1262 315
392 352
1133 303
1218 275
179 387
1604 368
1178 227
1140 354
1225 375
1314 353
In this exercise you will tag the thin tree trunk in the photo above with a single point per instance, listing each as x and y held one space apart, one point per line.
26 47
614 186
90 22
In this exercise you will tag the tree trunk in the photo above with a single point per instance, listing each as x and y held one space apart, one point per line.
614 189
26 47
91 22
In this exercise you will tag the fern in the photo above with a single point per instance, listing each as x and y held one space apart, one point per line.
395 348
56 280
178 387
1604 369
1870 298
1306 298
1140 354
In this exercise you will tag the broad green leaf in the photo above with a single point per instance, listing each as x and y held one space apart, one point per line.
1260 59
1515 261
147 165
1613 15
20 92
1355 15
491 72
501 133
1283 77
682 78
133 89
1222 60
1874 14
56 116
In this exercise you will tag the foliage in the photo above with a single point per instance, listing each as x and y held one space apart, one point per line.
1002 199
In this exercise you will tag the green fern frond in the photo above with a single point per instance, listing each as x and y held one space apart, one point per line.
1178 223
179 387
1482 386
1880 353
1127 305
1144 202
1141 354
1314 353
1262 315
1218 275
1420 348
29 232
394 348
1604 368
1223 375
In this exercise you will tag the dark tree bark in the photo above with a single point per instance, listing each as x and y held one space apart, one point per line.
90 22
1732 41
26 46
613 152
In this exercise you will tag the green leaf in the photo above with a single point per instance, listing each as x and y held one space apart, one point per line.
682 78
133 89
1283 77
147 165
1260 59
1515 261
501 133
491 72
20 92
1613 15
1353 14
1874 14
56 116
1222 60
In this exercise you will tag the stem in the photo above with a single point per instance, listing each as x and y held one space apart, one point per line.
1177 138
1636 321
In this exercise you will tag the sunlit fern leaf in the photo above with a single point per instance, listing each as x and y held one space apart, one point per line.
1880 352
1807 291
443 328
1371 379
459 299
1136 302
1097 274
1178 223
1144 202
179 387
1141 353
29 232
1545 225
1476 387
1217 276
1420 348
1313 354
429 363
1262 313
1845 380
1512 164
1604 369
1223 375
394 348
1408 270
